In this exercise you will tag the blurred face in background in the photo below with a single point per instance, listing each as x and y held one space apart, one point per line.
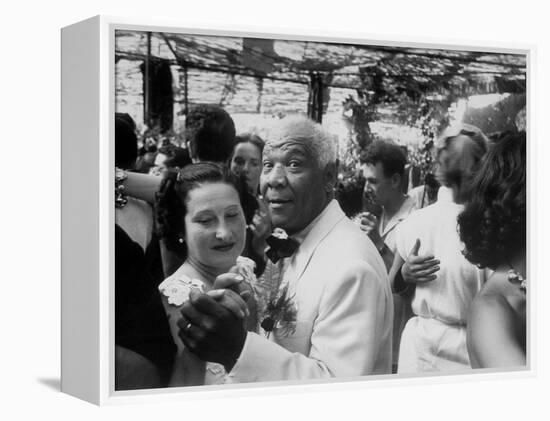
159 165
247 161
457 161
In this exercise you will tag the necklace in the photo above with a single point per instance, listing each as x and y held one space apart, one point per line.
516 278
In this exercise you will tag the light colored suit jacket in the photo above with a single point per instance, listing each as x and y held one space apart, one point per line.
345 311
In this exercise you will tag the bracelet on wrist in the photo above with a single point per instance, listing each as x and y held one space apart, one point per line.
120 197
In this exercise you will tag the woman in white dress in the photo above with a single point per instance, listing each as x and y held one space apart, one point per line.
201 212
493 229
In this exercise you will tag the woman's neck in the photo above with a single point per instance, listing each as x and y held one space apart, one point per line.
207 274
519 264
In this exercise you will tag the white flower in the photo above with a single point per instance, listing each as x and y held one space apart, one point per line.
280 234
177 289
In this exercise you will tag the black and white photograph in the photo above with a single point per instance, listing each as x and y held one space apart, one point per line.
295 209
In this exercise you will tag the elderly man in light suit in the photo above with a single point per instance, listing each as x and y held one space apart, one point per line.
336 281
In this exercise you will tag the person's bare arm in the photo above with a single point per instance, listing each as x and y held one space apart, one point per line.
492 337
142 186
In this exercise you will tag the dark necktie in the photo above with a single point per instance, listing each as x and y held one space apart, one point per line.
279 248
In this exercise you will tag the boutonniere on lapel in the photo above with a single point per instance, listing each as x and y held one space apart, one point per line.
278 311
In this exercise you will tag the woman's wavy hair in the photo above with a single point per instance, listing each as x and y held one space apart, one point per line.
173 193
493 223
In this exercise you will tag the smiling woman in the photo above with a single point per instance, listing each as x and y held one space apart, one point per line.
201 216
214 229
173 200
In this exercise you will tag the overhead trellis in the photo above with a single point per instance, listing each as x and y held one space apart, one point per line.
293 61
387 71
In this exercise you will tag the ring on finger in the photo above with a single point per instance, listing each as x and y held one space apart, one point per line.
188 326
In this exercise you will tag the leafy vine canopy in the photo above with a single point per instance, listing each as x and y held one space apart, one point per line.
414 86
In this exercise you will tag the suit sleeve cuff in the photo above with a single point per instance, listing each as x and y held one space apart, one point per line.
257 361
240 367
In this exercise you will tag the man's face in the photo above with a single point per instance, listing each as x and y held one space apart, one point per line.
454 161
292 184
377 185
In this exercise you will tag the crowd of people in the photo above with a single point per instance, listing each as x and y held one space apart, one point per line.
237 260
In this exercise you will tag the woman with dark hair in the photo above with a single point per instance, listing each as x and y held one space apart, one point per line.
493 229
210 137
246 159
246 162
202 217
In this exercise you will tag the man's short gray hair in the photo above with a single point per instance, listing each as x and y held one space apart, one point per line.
302 128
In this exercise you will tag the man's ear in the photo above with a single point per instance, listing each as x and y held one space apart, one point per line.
330 175
396 181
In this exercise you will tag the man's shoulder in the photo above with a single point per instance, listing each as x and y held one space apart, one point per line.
347 235
424 215
346 243
408 206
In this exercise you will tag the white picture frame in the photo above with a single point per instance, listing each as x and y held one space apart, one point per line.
88 98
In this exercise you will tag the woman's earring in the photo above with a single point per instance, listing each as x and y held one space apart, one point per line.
181 240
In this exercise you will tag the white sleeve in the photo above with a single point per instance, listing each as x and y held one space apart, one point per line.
351 335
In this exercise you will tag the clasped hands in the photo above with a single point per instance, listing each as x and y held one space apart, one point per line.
213 324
